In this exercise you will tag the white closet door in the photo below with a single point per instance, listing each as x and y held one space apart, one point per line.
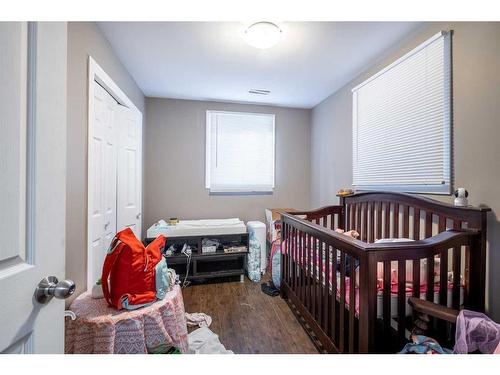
129 170
102 180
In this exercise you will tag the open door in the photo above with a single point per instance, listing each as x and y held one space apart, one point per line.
32 186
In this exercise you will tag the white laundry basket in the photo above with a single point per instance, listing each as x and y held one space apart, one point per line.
257 230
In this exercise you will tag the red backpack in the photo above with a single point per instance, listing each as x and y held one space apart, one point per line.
128 273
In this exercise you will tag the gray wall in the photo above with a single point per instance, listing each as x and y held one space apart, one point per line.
84 39
175 162
476 129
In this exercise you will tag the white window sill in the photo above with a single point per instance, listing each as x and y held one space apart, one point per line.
240 191
444 189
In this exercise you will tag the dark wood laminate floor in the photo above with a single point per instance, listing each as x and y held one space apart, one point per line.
247 320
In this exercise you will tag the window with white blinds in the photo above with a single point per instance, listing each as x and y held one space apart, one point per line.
239 152
402 121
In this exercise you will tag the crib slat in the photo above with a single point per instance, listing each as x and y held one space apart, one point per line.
287 254
396 220
428 224
457 262
308 265
297 263
364 220
443 278
334 295
379 221
406 221
347 217
457 254
294 259
358 219
401 299
314 283
443 270
386 298
429 296
416 278
342 302
352 302
301 266
320 284
371 230
416 223
387 226
353 217
326 289
303 262
283 256
304 268
290 249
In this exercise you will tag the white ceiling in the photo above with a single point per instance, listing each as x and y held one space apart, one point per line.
211 61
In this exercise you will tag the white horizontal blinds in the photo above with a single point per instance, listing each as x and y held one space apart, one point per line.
401 129
241 151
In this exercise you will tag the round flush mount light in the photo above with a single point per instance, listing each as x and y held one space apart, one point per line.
263 35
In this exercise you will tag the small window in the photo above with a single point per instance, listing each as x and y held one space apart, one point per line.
239 152
402 123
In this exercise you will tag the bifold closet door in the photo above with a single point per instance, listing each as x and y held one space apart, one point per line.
129 187
103 135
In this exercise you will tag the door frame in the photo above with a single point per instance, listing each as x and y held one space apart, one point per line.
96 73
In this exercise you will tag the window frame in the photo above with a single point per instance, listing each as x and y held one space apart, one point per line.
441 189
208 156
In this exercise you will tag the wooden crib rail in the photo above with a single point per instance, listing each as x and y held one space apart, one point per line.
443 240
328 216
319 212
433 309
350 245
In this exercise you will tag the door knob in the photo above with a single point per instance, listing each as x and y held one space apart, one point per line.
138 216
50 287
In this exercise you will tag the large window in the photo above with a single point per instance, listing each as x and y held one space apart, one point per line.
239 152
402 121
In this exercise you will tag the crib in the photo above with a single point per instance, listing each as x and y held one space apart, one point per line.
351 295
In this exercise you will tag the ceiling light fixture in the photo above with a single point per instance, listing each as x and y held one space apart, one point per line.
263 35
259 92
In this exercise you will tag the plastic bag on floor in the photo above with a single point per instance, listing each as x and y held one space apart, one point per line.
204 341
475 331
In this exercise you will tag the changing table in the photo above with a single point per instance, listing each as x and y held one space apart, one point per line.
214 265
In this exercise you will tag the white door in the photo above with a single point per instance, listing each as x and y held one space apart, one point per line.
102 180
32 183
129 170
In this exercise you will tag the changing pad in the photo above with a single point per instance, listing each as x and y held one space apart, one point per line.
207 227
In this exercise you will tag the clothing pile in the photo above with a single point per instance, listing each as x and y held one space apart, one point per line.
203 340
474 332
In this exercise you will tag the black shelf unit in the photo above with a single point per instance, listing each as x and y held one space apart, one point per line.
208 265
